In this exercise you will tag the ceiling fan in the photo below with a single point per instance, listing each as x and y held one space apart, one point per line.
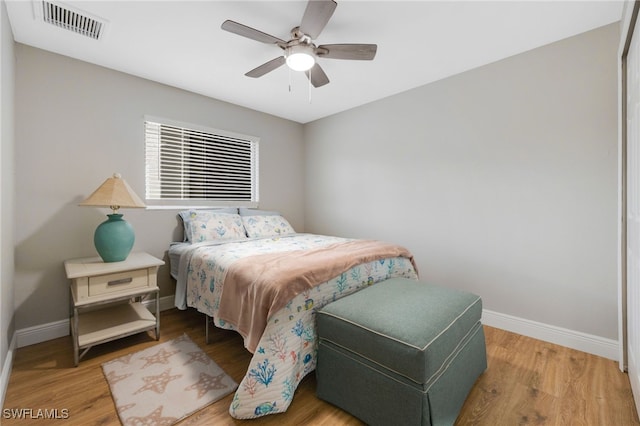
300 53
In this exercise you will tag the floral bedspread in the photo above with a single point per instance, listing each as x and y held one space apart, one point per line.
287 350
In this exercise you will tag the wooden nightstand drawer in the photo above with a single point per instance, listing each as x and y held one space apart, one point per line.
93 280
123 281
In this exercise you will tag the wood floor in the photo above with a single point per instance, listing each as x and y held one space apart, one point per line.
528 382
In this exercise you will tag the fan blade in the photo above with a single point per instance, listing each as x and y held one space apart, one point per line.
266 67
316 16
317 76
252 33
363 52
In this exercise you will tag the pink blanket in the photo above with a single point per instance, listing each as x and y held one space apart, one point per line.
256 287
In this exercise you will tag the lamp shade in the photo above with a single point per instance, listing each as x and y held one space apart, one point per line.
115 193
114 238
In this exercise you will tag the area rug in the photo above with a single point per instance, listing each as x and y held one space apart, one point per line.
165 383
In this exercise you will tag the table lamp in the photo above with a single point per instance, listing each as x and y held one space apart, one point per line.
114 238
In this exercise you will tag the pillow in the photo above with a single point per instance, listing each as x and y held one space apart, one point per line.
188 214
209 226
266 226
256 212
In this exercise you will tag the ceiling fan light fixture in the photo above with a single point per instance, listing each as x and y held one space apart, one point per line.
300 57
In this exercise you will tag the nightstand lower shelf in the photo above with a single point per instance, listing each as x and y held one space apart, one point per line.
107 324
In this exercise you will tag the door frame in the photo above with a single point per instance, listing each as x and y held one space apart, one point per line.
627 29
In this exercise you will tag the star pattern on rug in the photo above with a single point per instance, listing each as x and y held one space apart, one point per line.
153 419
125 359
173 369
206 383
125 407
198 356
115 378
158 383
160 357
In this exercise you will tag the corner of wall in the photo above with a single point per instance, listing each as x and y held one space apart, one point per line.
5 374
7 190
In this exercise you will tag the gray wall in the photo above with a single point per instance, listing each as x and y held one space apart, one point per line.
501 181
76 124
7 69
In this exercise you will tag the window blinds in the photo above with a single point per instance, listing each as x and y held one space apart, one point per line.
197 164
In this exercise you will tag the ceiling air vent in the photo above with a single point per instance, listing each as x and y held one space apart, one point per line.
72 20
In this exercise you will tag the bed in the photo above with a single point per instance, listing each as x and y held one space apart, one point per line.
251 272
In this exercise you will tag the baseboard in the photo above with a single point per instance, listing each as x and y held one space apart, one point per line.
6 369
41 333
595 345
53 330
166 302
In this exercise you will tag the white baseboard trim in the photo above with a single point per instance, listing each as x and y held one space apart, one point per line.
595 345
6 369
53 330
166 302
41 333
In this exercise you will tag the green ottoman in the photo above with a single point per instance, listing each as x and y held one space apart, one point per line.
401 352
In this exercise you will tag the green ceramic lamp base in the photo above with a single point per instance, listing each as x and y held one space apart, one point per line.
114 238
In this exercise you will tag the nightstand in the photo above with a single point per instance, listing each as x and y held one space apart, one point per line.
108 299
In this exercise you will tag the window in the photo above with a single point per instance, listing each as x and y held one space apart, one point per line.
188 164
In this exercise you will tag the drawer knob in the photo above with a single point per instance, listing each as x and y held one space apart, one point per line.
121 281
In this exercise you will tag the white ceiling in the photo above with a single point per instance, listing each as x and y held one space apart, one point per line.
180 43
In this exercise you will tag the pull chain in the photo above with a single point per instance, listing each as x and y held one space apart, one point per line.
309 88
310 85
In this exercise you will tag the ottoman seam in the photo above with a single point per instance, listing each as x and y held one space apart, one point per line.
348 355
451 323
431 381
396 339
453 355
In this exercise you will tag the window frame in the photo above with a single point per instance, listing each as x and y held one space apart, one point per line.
176 203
